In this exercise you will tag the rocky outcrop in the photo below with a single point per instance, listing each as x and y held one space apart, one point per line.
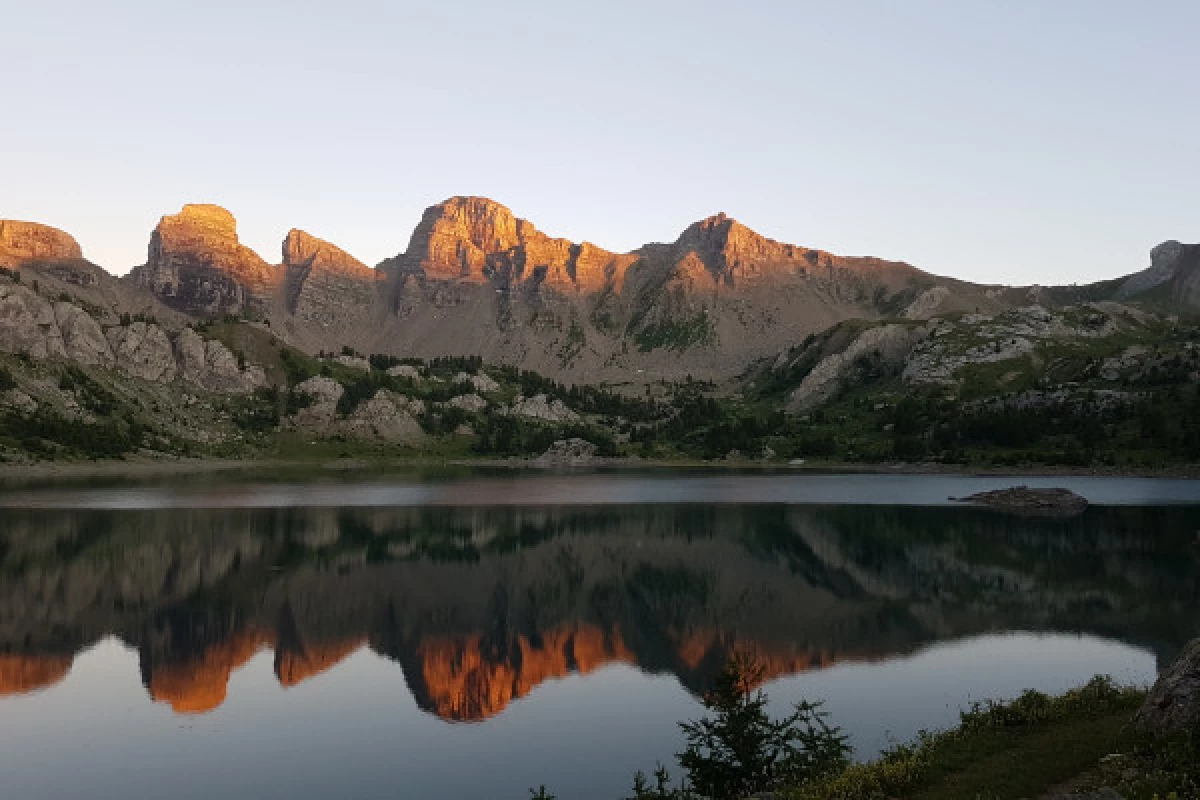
209 364
389 417
324 282
1172 277
353 362
322 395
196 264
23 243
572 452
28 324
887 344
1173 705
542 408
468 402
404 371
481 382
33 326
143 350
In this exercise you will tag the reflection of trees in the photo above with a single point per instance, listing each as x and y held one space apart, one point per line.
478 606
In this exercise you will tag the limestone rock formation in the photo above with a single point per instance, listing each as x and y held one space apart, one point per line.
477 240
404 371
323 282
28 324
209 364
323 395
195 263
22 243
542 408
481 382
143 350
389 417
468 402
83 338
886 343
568 453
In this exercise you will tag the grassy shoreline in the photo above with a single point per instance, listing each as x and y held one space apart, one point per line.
155 467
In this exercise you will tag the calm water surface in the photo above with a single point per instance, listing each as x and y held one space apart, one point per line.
475 637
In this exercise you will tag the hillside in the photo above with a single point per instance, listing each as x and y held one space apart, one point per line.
488 338
475 280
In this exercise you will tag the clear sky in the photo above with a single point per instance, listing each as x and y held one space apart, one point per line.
996 140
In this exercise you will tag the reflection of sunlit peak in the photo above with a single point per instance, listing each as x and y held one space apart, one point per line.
199 685
294 666
20 673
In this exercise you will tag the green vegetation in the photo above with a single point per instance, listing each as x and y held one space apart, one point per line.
674 335
998 751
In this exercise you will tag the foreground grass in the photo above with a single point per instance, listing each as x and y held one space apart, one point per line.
1024 749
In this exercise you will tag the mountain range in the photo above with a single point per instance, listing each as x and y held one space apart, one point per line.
476 280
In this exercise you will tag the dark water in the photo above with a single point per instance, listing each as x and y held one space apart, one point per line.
478 638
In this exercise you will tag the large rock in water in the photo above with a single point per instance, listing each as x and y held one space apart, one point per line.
26 242
1173 705
323 282
1023 500
195 263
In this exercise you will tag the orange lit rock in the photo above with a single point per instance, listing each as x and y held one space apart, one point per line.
323 282
199 685
477 240
196 263
22 673
25 242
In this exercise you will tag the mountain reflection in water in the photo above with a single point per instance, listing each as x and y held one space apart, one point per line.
479 606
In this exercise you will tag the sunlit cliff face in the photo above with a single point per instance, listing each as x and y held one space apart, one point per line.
21 673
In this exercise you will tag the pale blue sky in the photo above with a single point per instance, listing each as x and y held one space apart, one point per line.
1009 140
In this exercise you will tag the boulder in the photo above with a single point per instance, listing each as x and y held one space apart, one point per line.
1173 705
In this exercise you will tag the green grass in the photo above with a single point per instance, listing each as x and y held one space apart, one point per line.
999 751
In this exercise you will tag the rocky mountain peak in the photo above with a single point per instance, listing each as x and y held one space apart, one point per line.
25 242
303 250
323 283
455 237
195 263
730 250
